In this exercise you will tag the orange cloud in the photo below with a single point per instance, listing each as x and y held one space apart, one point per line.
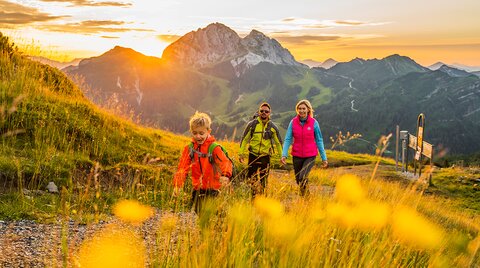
79 3
16 14
350 22
91 27
305 39
168 38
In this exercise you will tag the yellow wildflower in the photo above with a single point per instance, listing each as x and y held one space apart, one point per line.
412 228
371 215
365 215
268 207
349 190
112 247
317 212
132 211
341 214
282 229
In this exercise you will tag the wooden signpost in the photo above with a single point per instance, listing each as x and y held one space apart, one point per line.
417 143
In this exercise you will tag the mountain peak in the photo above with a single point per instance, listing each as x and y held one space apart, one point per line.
453 72
212 44
397 57
216 25
217 44
118 50
329 63
436 66
378 70
394 56
257 34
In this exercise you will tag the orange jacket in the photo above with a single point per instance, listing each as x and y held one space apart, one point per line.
204 174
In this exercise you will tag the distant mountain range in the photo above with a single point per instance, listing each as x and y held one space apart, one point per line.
327 64
57 64
215 71
463 67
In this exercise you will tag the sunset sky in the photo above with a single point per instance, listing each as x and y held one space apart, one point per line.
425 30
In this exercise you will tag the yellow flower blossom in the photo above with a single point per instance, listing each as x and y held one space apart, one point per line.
112 247
371 215
349 189
412 228
365 215
132 211
268 207
317 212
281 229
340 214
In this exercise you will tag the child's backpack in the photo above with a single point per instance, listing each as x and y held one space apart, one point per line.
210 157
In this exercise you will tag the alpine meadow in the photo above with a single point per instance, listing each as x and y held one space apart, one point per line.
90 149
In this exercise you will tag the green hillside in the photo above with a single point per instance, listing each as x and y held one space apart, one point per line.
51 132
450 105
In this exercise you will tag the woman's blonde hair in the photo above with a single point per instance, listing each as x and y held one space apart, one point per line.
199 120
308 104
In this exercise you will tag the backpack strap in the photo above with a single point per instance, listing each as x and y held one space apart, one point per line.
269 128
210 151
277 132
250 128
212 160
193 151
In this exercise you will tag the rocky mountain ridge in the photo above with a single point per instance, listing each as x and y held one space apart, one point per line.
217 44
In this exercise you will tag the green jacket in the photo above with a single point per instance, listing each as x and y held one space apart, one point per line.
260 144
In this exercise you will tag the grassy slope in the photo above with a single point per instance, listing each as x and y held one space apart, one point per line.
50 132
307 82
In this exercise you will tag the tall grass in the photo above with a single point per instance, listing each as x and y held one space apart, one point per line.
364 223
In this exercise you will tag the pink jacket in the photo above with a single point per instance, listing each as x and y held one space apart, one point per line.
304 138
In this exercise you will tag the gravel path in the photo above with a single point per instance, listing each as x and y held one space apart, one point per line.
26 243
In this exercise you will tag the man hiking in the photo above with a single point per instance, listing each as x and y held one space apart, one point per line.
262 139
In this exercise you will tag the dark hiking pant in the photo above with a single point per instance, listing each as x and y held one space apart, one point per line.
258 171
200 196
302 166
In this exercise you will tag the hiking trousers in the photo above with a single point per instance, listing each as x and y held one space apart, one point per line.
258 171
199 197
302 167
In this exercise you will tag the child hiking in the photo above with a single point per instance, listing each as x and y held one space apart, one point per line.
262 139
210 167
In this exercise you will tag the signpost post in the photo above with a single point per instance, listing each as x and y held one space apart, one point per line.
419 149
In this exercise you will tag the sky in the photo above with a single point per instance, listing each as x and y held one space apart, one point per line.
427 31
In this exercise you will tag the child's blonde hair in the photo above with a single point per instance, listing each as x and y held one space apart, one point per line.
200 119
308 104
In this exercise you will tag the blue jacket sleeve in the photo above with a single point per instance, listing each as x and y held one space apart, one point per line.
319 141
288 140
